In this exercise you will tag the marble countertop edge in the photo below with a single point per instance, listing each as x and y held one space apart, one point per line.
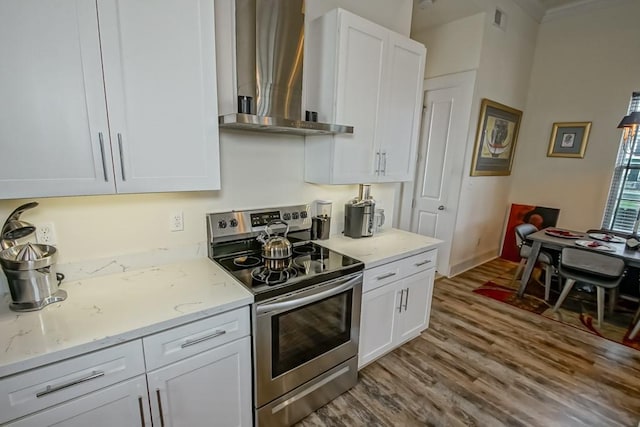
73 350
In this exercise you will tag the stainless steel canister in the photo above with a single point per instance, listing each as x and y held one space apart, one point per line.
320 227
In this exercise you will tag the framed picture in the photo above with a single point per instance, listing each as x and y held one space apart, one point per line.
569 139
496 139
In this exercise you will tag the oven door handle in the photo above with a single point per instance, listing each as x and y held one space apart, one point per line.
299 302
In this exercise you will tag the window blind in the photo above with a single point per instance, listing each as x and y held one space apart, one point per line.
623 203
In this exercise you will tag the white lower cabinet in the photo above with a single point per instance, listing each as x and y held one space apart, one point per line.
198 374
396 304
211 388
413 318
124 404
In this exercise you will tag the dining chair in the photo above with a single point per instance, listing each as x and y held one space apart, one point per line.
585 266
544 258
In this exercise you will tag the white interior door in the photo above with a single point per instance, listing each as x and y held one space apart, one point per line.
430 203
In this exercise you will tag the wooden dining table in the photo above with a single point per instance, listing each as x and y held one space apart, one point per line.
541 239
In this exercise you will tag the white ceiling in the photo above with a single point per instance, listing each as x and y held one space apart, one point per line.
431 13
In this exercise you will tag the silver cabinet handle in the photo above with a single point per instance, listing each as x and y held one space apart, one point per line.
385 276
418 264
104 161
384 163
124 177
400 306
378 163
50 389
141 408
160 407
406 299
205 338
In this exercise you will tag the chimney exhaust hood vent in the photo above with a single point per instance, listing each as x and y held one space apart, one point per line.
269 46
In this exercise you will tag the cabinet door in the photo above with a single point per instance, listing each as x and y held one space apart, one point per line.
159 67
211 387
123 404
361 62
416 305
53 123
401 108
380 309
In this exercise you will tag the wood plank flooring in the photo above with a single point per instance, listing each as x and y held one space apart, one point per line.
485 363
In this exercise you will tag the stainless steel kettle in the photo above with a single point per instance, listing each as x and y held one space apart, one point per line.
275 247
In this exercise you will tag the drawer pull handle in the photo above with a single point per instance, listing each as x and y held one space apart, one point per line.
418 264
205 338
140 406
50 389
160 407
385 276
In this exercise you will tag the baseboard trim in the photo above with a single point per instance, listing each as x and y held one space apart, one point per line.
470 263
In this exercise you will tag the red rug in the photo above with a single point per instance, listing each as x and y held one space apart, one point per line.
578 310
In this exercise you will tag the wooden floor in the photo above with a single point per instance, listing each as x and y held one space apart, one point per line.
485 363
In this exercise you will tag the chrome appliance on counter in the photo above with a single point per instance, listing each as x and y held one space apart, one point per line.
30 267
359 214
306 316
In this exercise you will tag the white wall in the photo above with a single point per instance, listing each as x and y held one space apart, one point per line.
503 76
585 68
258 170
503 59
453 47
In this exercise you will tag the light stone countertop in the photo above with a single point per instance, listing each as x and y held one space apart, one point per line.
383 247
110 309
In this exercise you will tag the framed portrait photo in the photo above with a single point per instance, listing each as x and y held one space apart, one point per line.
569 139
496 139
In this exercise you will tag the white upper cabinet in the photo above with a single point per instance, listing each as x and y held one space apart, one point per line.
361 74
159 73
118 98
54 135
401 108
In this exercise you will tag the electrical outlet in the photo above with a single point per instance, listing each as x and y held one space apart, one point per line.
176 222
46 234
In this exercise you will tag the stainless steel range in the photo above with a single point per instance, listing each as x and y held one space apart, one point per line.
306 314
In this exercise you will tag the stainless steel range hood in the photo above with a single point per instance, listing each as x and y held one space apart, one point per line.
269 63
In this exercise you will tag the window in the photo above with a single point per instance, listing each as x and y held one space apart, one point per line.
623 205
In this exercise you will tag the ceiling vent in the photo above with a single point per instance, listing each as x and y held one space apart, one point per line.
500 19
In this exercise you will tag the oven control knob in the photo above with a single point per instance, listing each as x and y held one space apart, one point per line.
233 222
286 216
222 224
294 215
303 214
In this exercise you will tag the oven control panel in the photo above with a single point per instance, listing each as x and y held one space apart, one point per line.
243 224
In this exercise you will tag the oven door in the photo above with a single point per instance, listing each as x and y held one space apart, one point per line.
303 334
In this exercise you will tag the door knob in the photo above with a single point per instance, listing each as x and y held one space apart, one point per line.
441 207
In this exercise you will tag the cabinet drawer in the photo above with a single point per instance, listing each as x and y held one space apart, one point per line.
381 275
123 404
396 270
184 341
421 262
41 388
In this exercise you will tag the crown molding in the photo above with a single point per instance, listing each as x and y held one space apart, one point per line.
578 7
